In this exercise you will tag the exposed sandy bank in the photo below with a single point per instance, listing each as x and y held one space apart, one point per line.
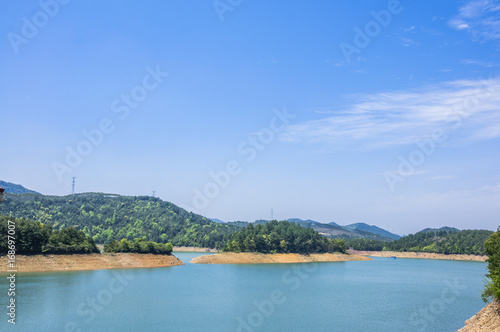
194 249
488 319
420 255
45 263
255 258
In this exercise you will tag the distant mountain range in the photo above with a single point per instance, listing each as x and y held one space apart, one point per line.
13 188
352 231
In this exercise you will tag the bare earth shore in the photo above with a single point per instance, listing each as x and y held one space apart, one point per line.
256 258
46 263
419 255
487 320
194 249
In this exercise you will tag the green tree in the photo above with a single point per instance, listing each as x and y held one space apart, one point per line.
492 247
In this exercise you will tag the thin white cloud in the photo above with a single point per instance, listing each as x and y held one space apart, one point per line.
478 63
479 17
469 108
408 42
441 177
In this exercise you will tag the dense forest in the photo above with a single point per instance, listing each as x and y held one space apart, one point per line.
282 237
366 244
33 237
114 217
140 246
492 287
470 242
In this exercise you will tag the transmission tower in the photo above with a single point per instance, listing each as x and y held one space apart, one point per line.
73 186
154 193
272 214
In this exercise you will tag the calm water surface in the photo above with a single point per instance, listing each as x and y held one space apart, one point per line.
379 295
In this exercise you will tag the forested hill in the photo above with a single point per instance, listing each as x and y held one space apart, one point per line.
107 217
445 241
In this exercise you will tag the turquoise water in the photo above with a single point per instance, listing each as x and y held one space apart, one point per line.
379 295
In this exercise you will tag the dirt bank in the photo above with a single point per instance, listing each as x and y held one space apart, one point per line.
255 258
194 249
45 263
419 255
488 319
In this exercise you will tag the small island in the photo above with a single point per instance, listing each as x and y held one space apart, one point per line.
279 242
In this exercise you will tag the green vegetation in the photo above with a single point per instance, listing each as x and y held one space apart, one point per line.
282 237
366 244
140 246
468 242
113 217
492 247
33 237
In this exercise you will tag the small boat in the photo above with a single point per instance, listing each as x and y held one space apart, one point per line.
393 257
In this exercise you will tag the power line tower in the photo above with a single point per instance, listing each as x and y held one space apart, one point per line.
272 214
73 186
154 191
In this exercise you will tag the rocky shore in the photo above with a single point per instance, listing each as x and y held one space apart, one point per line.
487 320
257 258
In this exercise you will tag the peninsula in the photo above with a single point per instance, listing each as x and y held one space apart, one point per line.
82 262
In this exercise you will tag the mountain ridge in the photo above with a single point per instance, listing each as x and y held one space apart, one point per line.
13 188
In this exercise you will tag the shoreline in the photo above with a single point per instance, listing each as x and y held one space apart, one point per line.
258 258
421 255
83 262
193 249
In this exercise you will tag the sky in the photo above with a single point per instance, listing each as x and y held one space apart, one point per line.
383 112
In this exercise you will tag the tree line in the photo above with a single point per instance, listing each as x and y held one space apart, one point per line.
32 237
282 237
492 287
141 246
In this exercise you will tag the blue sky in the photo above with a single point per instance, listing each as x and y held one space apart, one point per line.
382 112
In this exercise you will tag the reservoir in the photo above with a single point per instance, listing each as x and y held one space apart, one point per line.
380 295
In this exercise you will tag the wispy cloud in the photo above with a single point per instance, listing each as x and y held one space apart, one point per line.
478 63
480 18
408 42
401 117
441 177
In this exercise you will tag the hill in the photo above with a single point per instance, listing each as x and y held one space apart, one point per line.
445 229
372 229
468 242
15 188
107 217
